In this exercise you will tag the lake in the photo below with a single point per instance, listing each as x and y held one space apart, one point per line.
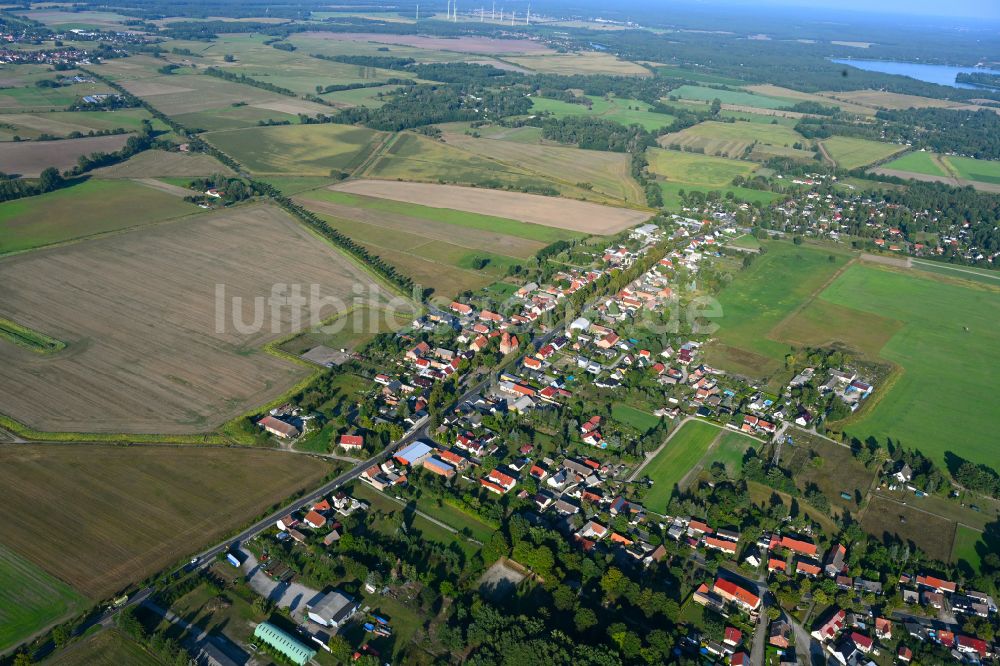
941 74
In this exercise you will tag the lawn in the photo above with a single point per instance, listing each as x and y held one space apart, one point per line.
730 449
636 418
746 240
308 150
918 162
735 97
91 207
109 647
948 349
850 152
967 544
759 298
621 110
128 512
683 451
30 599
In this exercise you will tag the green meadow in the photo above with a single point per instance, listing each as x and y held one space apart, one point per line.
759 298
948 349
91 207
638 419
686 447
850 152
30 599
983 171
917 162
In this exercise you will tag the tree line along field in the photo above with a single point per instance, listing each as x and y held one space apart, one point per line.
621 110
146 350
91 207
850 152
310 150
131 511
30 599
755 141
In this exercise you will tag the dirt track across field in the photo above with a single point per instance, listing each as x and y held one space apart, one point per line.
555 212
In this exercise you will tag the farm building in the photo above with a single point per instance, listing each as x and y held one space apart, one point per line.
439 467
278 427
283 643
333 609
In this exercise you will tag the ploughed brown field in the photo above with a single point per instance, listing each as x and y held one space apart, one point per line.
555 212
30 158
137 312
101 517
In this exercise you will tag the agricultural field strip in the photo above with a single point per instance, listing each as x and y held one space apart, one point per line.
555 212
427 231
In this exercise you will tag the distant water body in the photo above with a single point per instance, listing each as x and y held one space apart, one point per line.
941 74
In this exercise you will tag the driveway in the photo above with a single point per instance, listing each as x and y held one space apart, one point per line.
293 596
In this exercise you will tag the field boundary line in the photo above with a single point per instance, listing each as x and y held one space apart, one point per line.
955 268
808 300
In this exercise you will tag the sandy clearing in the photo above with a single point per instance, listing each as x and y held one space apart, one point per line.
555 212
485 45
138 313
30 158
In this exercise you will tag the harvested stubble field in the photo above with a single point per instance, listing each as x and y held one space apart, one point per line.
309 150
138 314
30 158
165 164
787 93
186 95
483 45
131 511
63 123
608 173
581 216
